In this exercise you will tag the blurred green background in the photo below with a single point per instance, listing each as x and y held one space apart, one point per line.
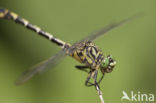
133 45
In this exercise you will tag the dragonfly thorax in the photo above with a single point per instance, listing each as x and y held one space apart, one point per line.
87 53
107 64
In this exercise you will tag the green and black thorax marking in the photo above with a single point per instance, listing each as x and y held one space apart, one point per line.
88 54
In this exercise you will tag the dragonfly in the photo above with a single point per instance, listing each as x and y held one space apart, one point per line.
84 51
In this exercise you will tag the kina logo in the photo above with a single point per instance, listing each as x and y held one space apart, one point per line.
137 96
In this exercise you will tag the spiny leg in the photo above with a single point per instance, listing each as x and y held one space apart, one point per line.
83 68
94 75
97 87
6 14
96 84
87 83
101 78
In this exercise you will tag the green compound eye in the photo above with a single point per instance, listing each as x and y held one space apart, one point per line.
105 63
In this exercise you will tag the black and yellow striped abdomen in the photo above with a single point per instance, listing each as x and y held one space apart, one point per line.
9 15
87 53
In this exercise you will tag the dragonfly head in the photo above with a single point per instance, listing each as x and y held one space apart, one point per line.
108 64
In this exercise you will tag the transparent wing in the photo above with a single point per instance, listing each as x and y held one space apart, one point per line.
41 67
109 27
92 36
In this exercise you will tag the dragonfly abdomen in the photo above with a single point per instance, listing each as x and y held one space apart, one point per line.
6 14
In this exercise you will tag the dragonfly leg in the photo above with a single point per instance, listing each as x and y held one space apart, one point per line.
83 68
101 78
95 78
88 83
96 84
